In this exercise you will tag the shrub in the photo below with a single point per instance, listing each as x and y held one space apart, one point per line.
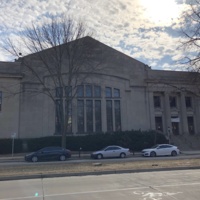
6 146
135 140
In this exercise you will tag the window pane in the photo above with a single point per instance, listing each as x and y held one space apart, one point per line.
158 123
116 92
157 101
190 125
188 102
172 101
175 128
117 116
80 114
68 91
68 109
109 115
80 91
108 92
98 124
89 115
97 91
59 92
88 91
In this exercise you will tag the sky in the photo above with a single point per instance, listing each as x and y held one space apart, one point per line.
147 30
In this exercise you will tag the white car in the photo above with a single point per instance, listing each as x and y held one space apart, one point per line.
161 150
111 152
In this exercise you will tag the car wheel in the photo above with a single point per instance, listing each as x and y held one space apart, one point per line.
174 153
122 155
153 154
99 156
62 157
34 159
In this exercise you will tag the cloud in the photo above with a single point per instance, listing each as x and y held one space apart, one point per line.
111 21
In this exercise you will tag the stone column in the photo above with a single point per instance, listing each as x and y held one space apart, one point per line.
167 114
151 111
104 125
183 117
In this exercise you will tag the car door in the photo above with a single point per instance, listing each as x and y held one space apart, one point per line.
107 152
168 150
117 151
160 150
42 154
56 152
48 153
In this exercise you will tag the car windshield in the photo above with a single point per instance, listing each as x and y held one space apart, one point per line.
155 146
103 149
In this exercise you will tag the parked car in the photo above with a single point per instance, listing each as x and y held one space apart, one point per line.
111 152
49 153
161 150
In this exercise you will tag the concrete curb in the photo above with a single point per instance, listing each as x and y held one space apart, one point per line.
42 176
4 159
190 153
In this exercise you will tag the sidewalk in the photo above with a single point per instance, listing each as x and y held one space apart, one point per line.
75 155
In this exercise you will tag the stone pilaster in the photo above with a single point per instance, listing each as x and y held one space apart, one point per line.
167 114
183 117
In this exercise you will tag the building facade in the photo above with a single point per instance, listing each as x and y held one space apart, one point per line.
124 94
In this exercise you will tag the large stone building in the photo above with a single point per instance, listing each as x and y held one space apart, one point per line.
124 94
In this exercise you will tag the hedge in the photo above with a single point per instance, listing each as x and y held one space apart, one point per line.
135 140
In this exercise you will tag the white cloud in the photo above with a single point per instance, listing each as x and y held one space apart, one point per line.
112 21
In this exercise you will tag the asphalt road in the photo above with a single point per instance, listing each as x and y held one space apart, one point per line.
167 185
14 162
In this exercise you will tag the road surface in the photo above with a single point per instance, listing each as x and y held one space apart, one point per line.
167 185
21 162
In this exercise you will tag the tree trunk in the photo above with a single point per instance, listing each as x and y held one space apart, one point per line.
63 129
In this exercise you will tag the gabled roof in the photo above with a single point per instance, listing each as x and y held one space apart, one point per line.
90 40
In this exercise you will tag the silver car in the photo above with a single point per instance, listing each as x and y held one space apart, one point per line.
111 152
161 150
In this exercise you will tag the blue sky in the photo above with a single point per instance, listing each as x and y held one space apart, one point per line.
147 30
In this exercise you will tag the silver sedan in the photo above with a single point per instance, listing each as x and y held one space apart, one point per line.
111 152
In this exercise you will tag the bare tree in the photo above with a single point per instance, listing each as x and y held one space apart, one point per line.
190 43
191 36
57 58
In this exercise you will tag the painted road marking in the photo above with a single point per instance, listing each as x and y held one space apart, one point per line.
155 195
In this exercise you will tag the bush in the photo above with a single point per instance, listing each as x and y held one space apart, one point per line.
6 146
135 140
